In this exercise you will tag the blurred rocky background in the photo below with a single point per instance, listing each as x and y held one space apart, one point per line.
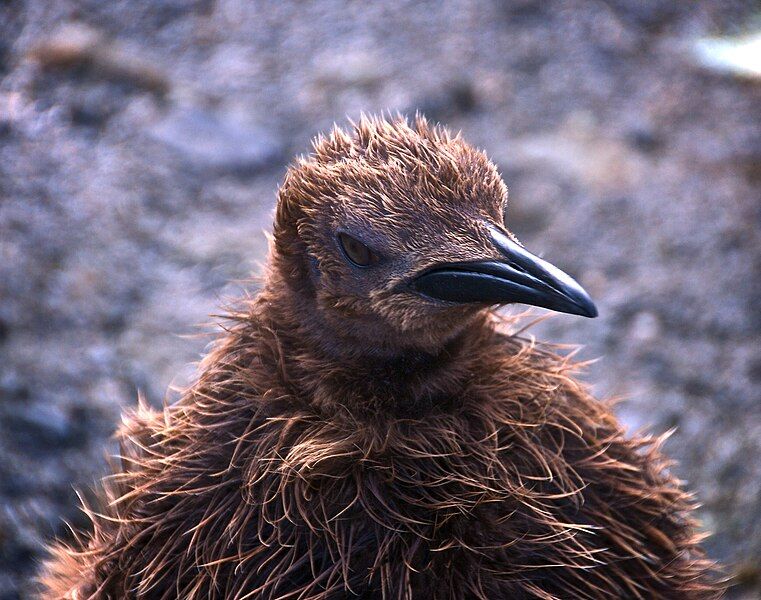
141 144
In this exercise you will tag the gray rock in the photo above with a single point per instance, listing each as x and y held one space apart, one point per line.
217 143
40 426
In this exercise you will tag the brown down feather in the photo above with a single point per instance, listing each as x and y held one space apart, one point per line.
346 438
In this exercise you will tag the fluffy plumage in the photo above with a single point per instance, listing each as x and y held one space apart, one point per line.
349 438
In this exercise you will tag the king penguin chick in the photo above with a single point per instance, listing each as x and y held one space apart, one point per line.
366 428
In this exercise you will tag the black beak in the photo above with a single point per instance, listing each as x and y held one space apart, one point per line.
519 277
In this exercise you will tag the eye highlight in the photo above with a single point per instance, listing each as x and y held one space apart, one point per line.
357 253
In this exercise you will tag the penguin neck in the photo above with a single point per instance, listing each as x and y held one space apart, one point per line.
336 367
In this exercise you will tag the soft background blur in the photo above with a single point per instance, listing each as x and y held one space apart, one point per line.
141 144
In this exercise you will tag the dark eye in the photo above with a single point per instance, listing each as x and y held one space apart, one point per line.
356 251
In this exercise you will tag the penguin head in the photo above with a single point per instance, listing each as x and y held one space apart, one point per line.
395 233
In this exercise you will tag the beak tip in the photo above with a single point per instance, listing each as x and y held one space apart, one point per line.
583 304
590 311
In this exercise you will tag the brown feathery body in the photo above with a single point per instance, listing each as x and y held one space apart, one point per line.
349 442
